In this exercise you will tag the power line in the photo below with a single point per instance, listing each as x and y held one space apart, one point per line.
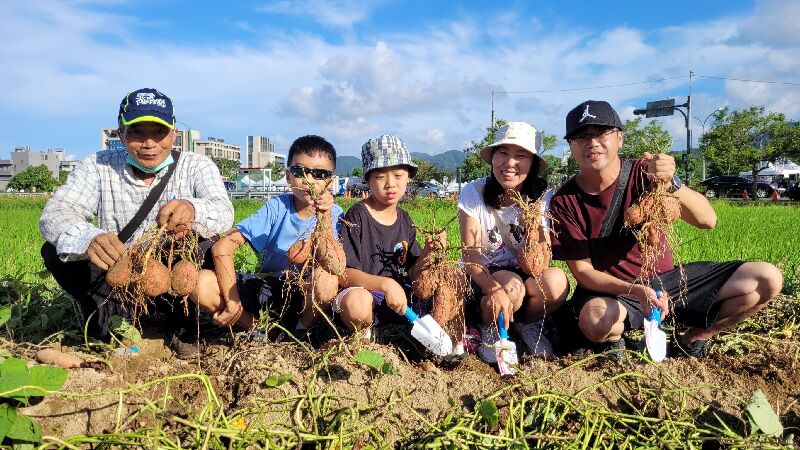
589 88
792 83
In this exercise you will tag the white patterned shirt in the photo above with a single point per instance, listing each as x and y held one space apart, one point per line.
490 240
103 187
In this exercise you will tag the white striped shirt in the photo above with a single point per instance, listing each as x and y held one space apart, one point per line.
102 195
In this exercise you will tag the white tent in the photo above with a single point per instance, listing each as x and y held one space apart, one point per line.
784 170
781 169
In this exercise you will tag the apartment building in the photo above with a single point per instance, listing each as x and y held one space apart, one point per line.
260 151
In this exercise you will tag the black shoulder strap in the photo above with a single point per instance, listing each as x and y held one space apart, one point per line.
149 202
617 200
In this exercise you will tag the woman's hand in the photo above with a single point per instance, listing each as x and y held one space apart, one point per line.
497 302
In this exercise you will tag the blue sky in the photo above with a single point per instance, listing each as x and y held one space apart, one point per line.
351 70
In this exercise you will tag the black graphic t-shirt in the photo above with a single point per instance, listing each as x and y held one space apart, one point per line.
377 249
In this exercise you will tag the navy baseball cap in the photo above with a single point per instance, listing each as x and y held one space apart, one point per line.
147 105
591 112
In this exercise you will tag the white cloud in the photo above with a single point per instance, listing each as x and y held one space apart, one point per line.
773 23
334 13
68 65
434 137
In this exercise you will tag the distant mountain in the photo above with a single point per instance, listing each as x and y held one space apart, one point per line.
448 160
346 164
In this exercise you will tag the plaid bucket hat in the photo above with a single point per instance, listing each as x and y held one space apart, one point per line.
386 151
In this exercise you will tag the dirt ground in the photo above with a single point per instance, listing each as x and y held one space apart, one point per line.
154 387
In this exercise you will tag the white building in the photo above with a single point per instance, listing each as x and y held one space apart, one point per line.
24 157
109 140
218 148
260 151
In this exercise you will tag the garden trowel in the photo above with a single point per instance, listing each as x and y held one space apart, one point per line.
429 333
505 349
654 337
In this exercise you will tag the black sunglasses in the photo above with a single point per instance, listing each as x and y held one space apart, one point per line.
317 174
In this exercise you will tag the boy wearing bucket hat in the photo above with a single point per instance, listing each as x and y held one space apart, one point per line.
381 245
492 234
114 188
605 259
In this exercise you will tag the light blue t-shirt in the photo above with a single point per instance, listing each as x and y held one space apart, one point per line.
276 226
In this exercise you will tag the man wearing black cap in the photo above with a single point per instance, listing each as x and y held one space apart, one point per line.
114 188
605 260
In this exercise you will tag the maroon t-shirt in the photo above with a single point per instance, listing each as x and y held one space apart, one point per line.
578 217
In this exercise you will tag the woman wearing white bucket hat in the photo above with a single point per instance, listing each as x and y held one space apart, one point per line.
492 235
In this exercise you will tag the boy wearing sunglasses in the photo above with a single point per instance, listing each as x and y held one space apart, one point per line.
236 298
381 247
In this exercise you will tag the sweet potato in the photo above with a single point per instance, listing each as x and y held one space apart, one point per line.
444 305
57 358
634 216
299 252
325 286
534 262
330 255
120 273
155 280
184 278
672 208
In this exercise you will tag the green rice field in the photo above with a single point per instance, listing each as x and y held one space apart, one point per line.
353 394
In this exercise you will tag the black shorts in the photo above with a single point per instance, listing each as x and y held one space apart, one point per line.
696 307
267 295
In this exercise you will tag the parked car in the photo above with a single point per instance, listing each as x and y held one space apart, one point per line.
357 187
793 192
428 189
733 186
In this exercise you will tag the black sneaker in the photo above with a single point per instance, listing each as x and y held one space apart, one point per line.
615 349
186 346
696 349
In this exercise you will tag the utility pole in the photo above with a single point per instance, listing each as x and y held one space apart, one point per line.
667 108
492 124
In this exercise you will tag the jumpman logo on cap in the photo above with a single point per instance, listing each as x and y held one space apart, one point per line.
586 114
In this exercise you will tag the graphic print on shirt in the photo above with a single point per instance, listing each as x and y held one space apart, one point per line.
517 232
494 237
394 260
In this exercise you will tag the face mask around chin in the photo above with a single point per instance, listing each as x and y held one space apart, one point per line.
155 169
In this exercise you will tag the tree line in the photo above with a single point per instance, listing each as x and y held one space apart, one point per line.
737 141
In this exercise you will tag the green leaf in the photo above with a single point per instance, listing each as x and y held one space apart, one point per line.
370 358
13 374
118 325
388 369
488 410
25 429
5 314
8 416
4 354
761 416
21 445
49 378
277 380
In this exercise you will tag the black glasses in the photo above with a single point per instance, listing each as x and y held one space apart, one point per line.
317 174
585 138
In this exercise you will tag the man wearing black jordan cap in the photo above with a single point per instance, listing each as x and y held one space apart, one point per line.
605 259
92 219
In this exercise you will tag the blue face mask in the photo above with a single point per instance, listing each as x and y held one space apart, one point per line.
155 169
